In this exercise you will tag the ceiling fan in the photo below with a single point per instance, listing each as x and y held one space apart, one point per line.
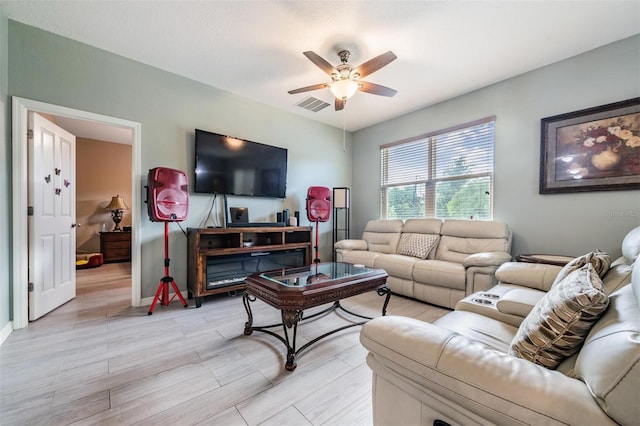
346 79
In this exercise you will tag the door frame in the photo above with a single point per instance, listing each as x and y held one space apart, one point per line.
20 241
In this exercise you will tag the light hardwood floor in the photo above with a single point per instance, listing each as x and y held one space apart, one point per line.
98 361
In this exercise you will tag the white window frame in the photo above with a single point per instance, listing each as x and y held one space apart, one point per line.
431 179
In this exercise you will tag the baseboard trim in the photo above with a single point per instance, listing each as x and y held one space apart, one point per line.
6 331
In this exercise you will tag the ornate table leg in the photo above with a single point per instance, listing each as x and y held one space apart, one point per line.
246 298
290 319
382 291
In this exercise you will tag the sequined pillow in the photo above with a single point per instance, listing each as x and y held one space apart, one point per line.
558 324
417 245
600 260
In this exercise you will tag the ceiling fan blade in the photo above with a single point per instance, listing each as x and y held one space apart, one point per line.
375 89
375 64
319 61
340 104
308 88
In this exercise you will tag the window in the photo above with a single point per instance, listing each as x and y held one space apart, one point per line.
446 174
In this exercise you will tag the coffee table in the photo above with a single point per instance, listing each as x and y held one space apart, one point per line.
293 290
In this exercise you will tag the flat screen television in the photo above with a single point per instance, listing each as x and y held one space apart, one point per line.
227 165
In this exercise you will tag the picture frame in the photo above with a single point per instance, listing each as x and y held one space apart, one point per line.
594 149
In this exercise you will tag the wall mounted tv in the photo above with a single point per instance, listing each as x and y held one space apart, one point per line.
226 165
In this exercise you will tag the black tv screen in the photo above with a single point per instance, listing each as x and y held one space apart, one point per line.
227 165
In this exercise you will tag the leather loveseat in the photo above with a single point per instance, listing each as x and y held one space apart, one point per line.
431 260
464 368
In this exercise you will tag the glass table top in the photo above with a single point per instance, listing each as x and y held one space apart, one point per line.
313 274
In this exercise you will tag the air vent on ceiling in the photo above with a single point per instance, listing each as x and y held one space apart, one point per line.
312 104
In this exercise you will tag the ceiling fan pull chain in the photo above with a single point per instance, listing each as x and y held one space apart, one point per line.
344 131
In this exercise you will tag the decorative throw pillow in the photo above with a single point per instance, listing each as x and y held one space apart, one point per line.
417 245
600 260
561 320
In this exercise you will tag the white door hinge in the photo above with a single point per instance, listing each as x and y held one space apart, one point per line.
30 134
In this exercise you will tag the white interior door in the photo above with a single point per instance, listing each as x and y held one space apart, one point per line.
52 210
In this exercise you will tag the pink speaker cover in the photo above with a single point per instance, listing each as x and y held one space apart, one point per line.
318 204
168 195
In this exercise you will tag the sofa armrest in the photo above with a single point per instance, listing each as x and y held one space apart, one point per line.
519 301
351 244
491 384
480 270
533 275
494 258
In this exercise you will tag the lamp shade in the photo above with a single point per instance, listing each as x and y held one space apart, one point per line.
117 203
344 89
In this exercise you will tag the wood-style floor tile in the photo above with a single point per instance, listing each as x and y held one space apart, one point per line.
98 361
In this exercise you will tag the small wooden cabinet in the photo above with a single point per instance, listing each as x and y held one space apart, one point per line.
115 246
219 259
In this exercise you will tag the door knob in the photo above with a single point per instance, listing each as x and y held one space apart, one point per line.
76 225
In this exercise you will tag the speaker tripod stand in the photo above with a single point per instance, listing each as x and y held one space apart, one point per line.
162 294
316 247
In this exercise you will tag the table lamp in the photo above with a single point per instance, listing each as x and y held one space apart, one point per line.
116 206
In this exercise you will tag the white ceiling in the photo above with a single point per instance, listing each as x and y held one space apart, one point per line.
254 48
96 131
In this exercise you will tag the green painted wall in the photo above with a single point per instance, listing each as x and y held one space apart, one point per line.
56 70
554 223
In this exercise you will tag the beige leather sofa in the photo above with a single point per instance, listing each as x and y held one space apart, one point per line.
461 259
459 370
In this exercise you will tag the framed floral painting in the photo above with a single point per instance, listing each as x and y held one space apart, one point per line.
595 149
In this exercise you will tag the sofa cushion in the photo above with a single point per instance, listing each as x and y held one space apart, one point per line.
382 235
461 238
396 265
618 276
422 226
559 322
440 273
482 229
493 333
631 245
601 262
417 245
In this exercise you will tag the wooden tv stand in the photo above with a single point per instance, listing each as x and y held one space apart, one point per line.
213 249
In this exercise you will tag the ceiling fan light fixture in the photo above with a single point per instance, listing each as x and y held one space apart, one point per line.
345 79
343 89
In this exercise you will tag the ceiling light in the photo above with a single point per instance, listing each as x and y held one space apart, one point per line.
343 89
